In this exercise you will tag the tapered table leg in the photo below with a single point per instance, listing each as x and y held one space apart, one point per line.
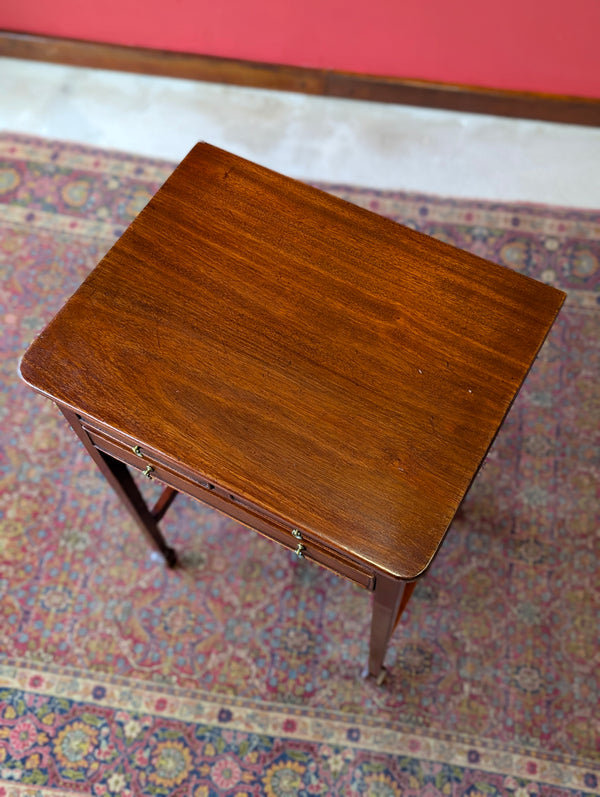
118 476
389 601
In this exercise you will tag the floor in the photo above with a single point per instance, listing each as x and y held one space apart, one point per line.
312 138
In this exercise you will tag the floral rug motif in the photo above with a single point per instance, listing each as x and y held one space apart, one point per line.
239 674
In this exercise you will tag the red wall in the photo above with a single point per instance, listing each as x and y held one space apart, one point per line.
528 45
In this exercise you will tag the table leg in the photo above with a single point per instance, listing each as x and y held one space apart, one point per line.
118 476
389 601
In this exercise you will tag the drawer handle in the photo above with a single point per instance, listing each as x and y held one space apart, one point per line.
148 471
300 551
137 450
296 534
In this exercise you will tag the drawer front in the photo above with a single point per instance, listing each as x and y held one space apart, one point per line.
231 505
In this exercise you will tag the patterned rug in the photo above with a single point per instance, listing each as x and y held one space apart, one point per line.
240 674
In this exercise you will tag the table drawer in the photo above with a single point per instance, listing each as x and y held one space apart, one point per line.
235 507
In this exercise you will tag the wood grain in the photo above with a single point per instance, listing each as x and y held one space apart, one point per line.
331 83
328 366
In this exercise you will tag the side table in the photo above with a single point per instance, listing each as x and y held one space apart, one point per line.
323 375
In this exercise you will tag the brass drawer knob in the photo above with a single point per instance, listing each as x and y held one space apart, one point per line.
300 551
137 450
296 534
148 471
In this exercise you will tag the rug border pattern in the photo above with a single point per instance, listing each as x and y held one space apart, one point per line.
309 725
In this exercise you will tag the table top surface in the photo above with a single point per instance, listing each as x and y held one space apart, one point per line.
334 368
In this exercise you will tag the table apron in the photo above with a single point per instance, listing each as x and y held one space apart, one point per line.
232 506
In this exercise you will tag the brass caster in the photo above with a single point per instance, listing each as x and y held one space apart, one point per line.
380 679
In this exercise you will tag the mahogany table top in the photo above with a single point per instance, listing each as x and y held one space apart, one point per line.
333 368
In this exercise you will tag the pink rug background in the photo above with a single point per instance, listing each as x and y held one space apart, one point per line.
499 647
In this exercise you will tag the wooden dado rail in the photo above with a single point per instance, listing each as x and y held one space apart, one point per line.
328 83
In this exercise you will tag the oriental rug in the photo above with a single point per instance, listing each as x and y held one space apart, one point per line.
240 673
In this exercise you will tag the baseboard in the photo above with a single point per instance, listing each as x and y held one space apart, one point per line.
329 83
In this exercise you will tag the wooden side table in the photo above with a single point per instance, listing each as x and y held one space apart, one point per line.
321 374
